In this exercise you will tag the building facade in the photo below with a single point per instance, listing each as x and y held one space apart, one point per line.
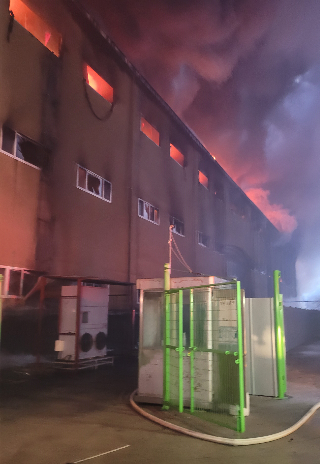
95 167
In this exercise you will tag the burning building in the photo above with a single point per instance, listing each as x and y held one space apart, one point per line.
95 167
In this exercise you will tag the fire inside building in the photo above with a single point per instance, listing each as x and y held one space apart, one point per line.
94 169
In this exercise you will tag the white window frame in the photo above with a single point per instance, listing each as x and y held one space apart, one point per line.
145 214
173 220
102 181
201 236
6 281
14 154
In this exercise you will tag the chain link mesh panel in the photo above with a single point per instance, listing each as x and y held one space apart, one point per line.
203 361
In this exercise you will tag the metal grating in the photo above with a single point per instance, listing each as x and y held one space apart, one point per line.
203 362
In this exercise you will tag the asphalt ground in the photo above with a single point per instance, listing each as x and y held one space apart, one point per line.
58 418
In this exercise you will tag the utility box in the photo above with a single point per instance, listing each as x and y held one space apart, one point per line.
83 326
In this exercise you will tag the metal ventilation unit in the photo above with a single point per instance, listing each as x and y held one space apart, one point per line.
83 327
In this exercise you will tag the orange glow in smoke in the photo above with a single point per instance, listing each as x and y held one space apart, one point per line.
149 131
277 214
40 29
176 155
203 179
98 84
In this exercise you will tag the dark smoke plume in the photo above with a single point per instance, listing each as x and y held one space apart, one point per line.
244 75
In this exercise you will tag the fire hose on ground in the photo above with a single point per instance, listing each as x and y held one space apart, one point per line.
222 440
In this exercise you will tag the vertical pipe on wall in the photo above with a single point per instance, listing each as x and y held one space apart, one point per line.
280 339
167 271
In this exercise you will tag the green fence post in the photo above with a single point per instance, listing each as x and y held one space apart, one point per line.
280 339
166 339
241 419
180 350
191 347
283 344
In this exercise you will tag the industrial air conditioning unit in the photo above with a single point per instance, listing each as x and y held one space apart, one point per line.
83 326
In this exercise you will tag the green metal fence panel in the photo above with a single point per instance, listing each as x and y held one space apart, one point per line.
172 365
166 353
205 354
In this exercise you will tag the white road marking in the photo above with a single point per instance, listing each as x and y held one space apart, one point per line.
102 454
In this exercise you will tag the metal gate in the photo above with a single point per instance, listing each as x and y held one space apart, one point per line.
203 353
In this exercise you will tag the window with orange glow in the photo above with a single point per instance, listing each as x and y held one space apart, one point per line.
149 131
176 155
98 83
203 179
39 28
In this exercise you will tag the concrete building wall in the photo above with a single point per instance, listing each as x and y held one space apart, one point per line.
19 191
75 233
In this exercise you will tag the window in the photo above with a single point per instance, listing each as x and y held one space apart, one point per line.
98 83
203 240
149 131
41 30
4 274
92 183
149 212
85 317
239 202
203 179
176 155
178 226
23 148
16 281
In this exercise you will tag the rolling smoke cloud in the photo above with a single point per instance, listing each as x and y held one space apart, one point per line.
245 76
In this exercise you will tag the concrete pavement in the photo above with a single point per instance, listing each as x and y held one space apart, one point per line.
63 418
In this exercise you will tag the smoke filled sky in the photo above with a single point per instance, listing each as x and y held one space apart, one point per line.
244 75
